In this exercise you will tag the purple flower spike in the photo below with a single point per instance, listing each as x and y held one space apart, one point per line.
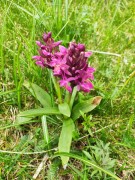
70 64
77 72
46 51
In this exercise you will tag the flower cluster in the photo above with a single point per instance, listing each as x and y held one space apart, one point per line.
69 64
46 51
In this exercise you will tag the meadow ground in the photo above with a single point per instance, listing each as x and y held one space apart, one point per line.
107 29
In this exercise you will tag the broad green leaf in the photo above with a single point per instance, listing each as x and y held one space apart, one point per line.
85 107
39 93
45 129
39 112
87 162
66 139
64 109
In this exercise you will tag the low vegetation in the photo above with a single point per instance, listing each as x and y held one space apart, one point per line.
104 140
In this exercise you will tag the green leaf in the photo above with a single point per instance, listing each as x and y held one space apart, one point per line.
64 109
21 119
85 107
39 112
66 139
87 155
38 93
87 162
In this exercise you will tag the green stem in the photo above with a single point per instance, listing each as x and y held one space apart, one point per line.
73 97
51 87
57 88
67 97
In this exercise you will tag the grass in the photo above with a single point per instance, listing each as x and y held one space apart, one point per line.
107 28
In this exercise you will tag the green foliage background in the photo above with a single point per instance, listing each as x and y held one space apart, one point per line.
107 28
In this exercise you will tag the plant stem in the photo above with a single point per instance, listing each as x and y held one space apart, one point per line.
73 97
57 88
51 87
67 97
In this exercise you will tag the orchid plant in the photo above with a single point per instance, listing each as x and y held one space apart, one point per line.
70 70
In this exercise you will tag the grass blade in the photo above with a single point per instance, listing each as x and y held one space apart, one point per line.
45 129
87 162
